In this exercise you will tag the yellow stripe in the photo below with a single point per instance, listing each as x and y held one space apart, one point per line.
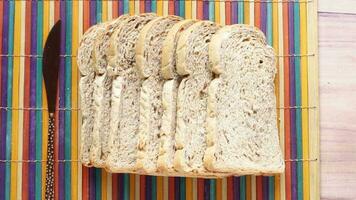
15 101
132 7
189 189
247 12
105 11
75 76
165 188
46 26
305 117
188 9
160 7
281 94
21 98
224 187
159 187
195 188
217 12
104 177
222 12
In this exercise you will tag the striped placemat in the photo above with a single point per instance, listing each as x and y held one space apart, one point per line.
290 27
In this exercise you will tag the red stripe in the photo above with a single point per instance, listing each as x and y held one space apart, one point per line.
230 188
26 125
171 188
115 186
200 189
286 100
142 187
228 12
115 9
200 9
259 189
257 13
171 7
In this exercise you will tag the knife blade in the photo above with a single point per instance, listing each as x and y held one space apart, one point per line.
50 63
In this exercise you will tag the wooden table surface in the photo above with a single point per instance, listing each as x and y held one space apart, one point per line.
337 63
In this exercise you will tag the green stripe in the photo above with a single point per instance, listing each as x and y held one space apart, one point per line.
242 187
182 8
298 100
271 187
154 6
212 189
9 99
240 12
68 98
154 187
126 186
98 185
126 6
182 188
211 11
99 12
38 178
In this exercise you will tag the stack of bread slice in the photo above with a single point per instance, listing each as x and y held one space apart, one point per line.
174 97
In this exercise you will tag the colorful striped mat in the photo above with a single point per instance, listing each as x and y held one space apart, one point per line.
290 27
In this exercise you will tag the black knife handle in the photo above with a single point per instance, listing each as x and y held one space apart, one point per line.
50 160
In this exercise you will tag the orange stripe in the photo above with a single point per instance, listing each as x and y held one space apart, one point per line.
257 14
189 189
286 101
200 9
85 170
230 188
259 188
219 189
171 7
86 15
115 9
142 6
228 12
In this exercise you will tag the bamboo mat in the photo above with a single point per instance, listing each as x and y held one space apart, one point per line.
290 27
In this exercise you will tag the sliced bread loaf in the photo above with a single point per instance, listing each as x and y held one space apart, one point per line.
125 94
169 97
192 61
148 62
242 124
102 94
86 63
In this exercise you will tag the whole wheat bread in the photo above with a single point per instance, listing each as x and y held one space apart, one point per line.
192 61
148 62
125 94
102 94
242 123
169 97
86 63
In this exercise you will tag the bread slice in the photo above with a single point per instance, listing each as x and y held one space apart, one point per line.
148 62
102 94
86 63
125 95
242 123
192 61
169 96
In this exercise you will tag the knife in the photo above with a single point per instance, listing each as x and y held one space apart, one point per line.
50 63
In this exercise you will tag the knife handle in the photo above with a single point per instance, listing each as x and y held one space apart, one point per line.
50 160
